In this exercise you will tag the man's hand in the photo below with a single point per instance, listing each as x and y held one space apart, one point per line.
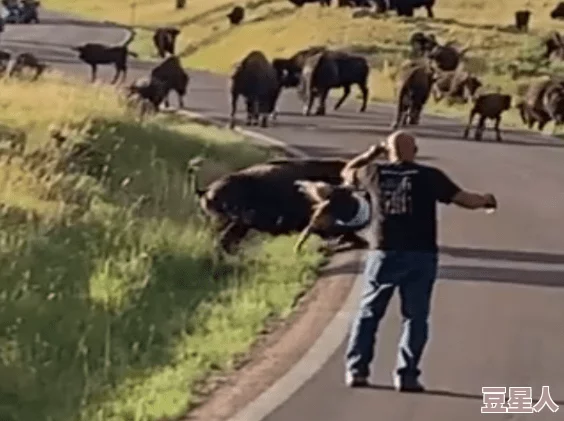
490 201
470 200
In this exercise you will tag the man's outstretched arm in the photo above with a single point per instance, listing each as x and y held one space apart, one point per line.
469 200
449 192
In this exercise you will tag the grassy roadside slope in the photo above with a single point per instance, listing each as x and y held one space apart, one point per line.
208 42
112 304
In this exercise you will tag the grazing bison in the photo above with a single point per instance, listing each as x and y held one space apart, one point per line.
415 84
165 40
236 15
522 18
95 54
533 108
256 80
422 44
149 90
332 69
174 77
455 86
407 7
267 198
488 106
25 61
446 57
558 11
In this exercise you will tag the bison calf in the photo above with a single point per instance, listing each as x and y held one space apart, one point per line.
164 40
488 106
25 61
95 54
522 18
257 81
148 90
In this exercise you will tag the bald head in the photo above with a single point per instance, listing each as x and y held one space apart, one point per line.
401 146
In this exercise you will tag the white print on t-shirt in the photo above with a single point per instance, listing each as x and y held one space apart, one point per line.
396 192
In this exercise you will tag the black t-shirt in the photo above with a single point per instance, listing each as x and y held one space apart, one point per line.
407 214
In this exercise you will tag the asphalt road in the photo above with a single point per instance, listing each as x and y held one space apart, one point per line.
499 306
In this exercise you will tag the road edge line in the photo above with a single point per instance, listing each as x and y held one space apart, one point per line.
311 363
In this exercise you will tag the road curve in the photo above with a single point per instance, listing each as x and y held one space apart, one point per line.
498 309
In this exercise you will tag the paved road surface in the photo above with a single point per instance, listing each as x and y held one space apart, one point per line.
499 306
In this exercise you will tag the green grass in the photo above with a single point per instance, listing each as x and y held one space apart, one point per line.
113 305
208 42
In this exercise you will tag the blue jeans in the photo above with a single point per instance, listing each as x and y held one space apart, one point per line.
414 273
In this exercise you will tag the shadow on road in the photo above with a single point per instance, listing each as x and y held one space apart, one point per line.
516 256
444 393
448 394
545 278
485 273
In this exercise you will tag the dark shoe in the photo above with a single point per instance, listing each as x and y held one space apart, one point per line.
408 384
352 380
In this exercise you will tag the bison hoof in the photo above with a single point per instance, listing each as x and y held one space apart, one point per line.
320 112
465 134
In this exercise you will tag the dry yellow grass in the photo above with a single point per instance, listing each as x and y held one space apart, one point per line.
278 28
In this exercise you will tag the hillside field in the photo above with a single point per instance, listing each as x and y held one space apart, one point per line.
208 41
113 304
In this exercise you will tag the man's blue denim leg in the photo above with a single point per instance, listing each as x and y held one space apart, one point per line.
382 272
415 297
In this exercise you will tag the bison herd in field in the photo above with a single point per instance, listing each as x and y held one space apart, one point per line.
320 196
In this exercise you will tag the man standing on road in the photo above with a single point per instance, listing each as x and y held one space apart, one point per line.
405 255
